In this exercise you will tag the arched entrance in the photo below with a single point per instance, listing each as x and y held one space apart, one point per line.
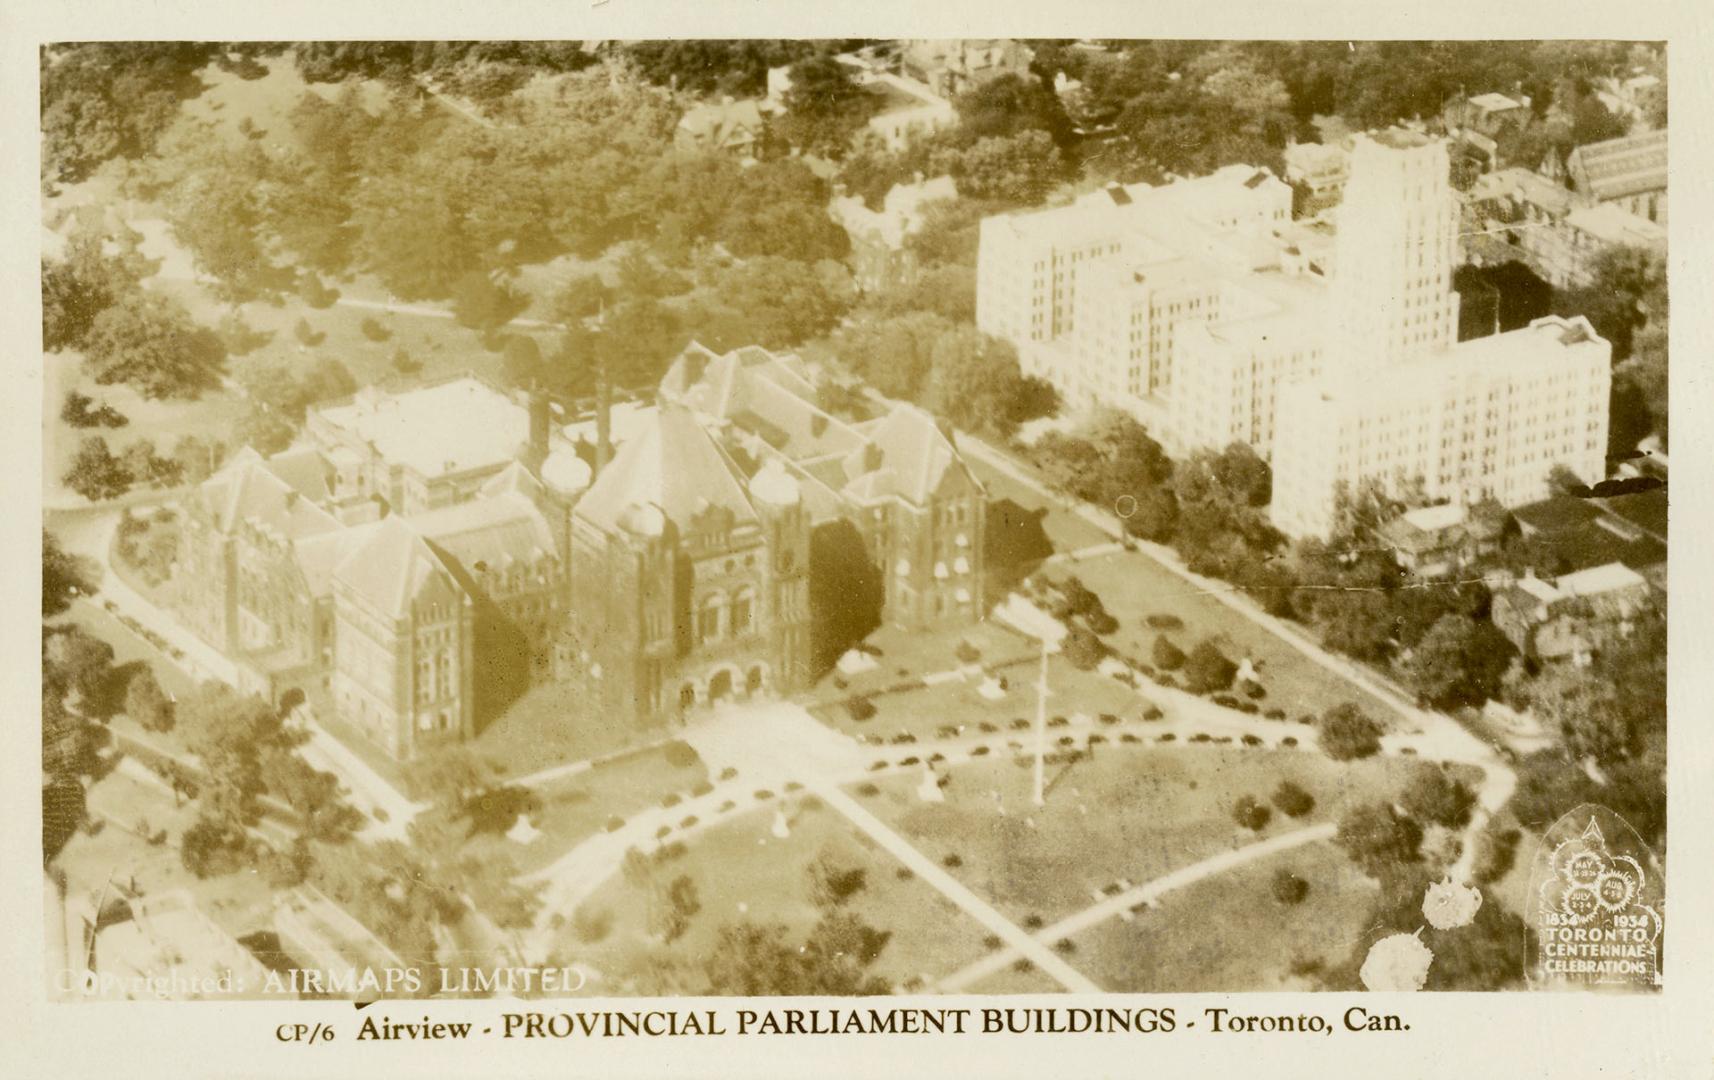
720 685
754 680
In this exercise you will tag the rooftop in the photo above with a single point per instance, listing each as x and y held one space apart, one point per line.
438 430
1620 167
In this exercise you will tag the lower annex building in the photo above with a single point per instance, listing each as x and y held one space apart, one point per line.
419 559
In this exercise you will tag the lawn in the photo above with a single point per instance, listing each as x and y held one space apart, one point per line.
577 807
1228 933
743 872
1134 586
1128 813
903 656
922 711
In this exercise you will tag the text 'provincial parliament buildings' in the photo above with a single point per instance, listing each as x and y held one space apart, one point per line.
420 558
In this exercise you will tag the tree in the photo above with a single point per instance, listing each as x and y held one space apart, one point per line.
1081 648
1292 799
450 775
1009 106
1346 733
95 473
264 429
64 576
1433 796
83 665
232 733
834 960
147 704
1207 670
146 466
1251 814
975 383
214 846
780 208
832 886
1382 842
894 355
671 910
1460 661
1288 888
481 303
80 286
105 100
1166 655
824 106
582 297
1018 170
148 341
780 303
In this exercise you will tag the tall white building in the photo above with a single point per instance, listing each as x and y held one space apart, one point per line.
1397 248
1137 262
1487 418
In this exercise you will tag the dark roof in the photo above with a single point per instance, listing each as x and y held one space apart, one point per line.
1557 514
1646 509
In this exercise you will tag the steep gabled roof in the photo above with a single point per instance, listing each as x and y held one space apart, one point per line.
671 464
390 567
248 489
907 455
492 532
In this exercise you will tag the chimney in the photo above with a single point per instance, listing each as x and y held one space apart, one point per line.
536 451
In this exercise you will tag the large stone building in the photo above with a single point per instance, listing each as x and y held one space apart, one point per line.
421 558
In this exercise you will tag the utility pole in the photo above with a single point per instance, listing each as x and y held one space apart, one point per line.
1041 724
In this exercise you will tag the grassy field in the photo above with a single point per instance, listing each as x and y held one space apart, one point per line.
742 872
1128 813
579 806
1133 586
923 711
550 725
1230 934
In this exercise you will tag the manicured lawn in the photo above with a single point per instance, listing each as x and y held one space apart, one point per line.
743 872
903 657
1229 933
1132 813
1133 586
579 806
923 710
1012 980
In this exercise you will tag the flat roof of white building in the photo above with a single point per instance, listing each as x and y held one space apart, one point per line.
439 430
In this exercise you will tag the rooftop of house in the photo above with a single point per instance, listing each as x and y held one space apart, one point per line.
389 566
722 123
671 470
1525 185
280 494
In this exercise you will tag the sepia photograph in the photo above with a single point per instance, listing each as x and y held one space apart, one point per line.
679 518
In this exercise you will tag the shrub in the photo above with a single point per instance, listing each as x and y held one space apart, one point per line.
967 653
1082 649
615 823
1102 623
1167 656
868 788
373 330
861 709
307 334
591 926
1289 740
1168 737
1496 851
1347 733
991 942
1434 796
404 364
953 861
680 755
317 294
904 873
661 833
1207 669
763 794
978 751
1288 887
1160 621
1152 713
1252 740
1292 799
1254 690
689 822
700 788
728 772
670 800
1275 714
1251 814
1065 946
